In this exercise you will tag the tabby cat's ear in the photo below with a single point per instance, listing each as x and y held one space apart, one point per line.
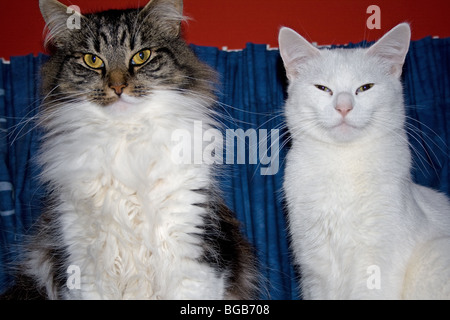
294 50
167 13
60 20
393 47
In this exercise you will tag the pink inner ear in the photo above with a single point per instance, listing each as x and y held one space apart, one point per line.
294 50
397 69
395 60
292 71
393 47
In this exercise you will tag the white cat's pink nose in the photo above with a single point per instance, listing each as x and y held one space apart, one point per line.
344 103
344 109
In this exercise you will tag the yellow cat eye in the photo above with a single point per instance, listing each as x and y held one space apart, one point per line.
93 61
365 87
141 57
323 88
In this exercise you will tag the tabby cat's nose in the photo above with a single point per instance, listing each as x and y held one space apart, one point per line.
118 88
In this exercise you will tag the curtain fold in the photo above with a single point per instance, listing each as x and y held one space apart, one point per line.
251 93
427 83
20 194
251 96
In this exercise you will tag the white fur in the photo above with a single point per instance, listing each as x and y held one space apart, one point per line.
351 200
126 210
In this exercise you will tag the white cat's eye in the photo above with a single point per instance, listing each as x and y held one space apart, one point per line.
93 61
323 88
364 87
141 57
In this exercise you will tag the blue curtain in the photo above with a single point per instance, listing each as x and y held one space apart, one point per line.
251 94
20 194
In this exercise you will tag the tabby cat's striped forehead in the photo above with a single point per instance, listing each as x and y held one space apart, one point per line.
115 30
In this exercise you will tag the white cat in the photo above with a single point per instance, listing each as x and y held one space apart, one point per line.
360 227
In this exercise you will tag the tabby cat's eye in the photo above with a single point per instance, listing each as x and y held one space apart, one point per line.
323 88
365 87
93 61
141 57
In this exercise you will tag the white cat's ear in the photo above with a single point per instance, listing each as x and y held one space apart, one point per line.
294 50
168 12
393 47
60 20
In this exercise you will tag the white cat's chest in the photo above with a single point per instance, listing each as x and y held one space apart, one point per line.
340 215
328 207
329 181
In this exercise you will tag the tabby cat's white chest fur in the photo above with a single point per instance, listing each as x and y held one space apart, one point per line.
128 214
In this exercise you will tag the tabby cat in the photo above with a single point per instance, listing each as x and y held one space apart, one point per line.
123 220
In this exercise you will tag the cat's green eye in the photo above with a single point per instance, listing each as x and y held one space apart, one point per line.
141 57
365 87
93 61
323 88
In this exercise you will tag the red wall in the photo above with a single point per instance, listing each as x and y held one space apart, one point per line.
233 23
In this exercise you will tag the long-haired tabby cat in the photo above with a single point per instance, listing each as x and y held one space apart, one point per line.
122 215
360 227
